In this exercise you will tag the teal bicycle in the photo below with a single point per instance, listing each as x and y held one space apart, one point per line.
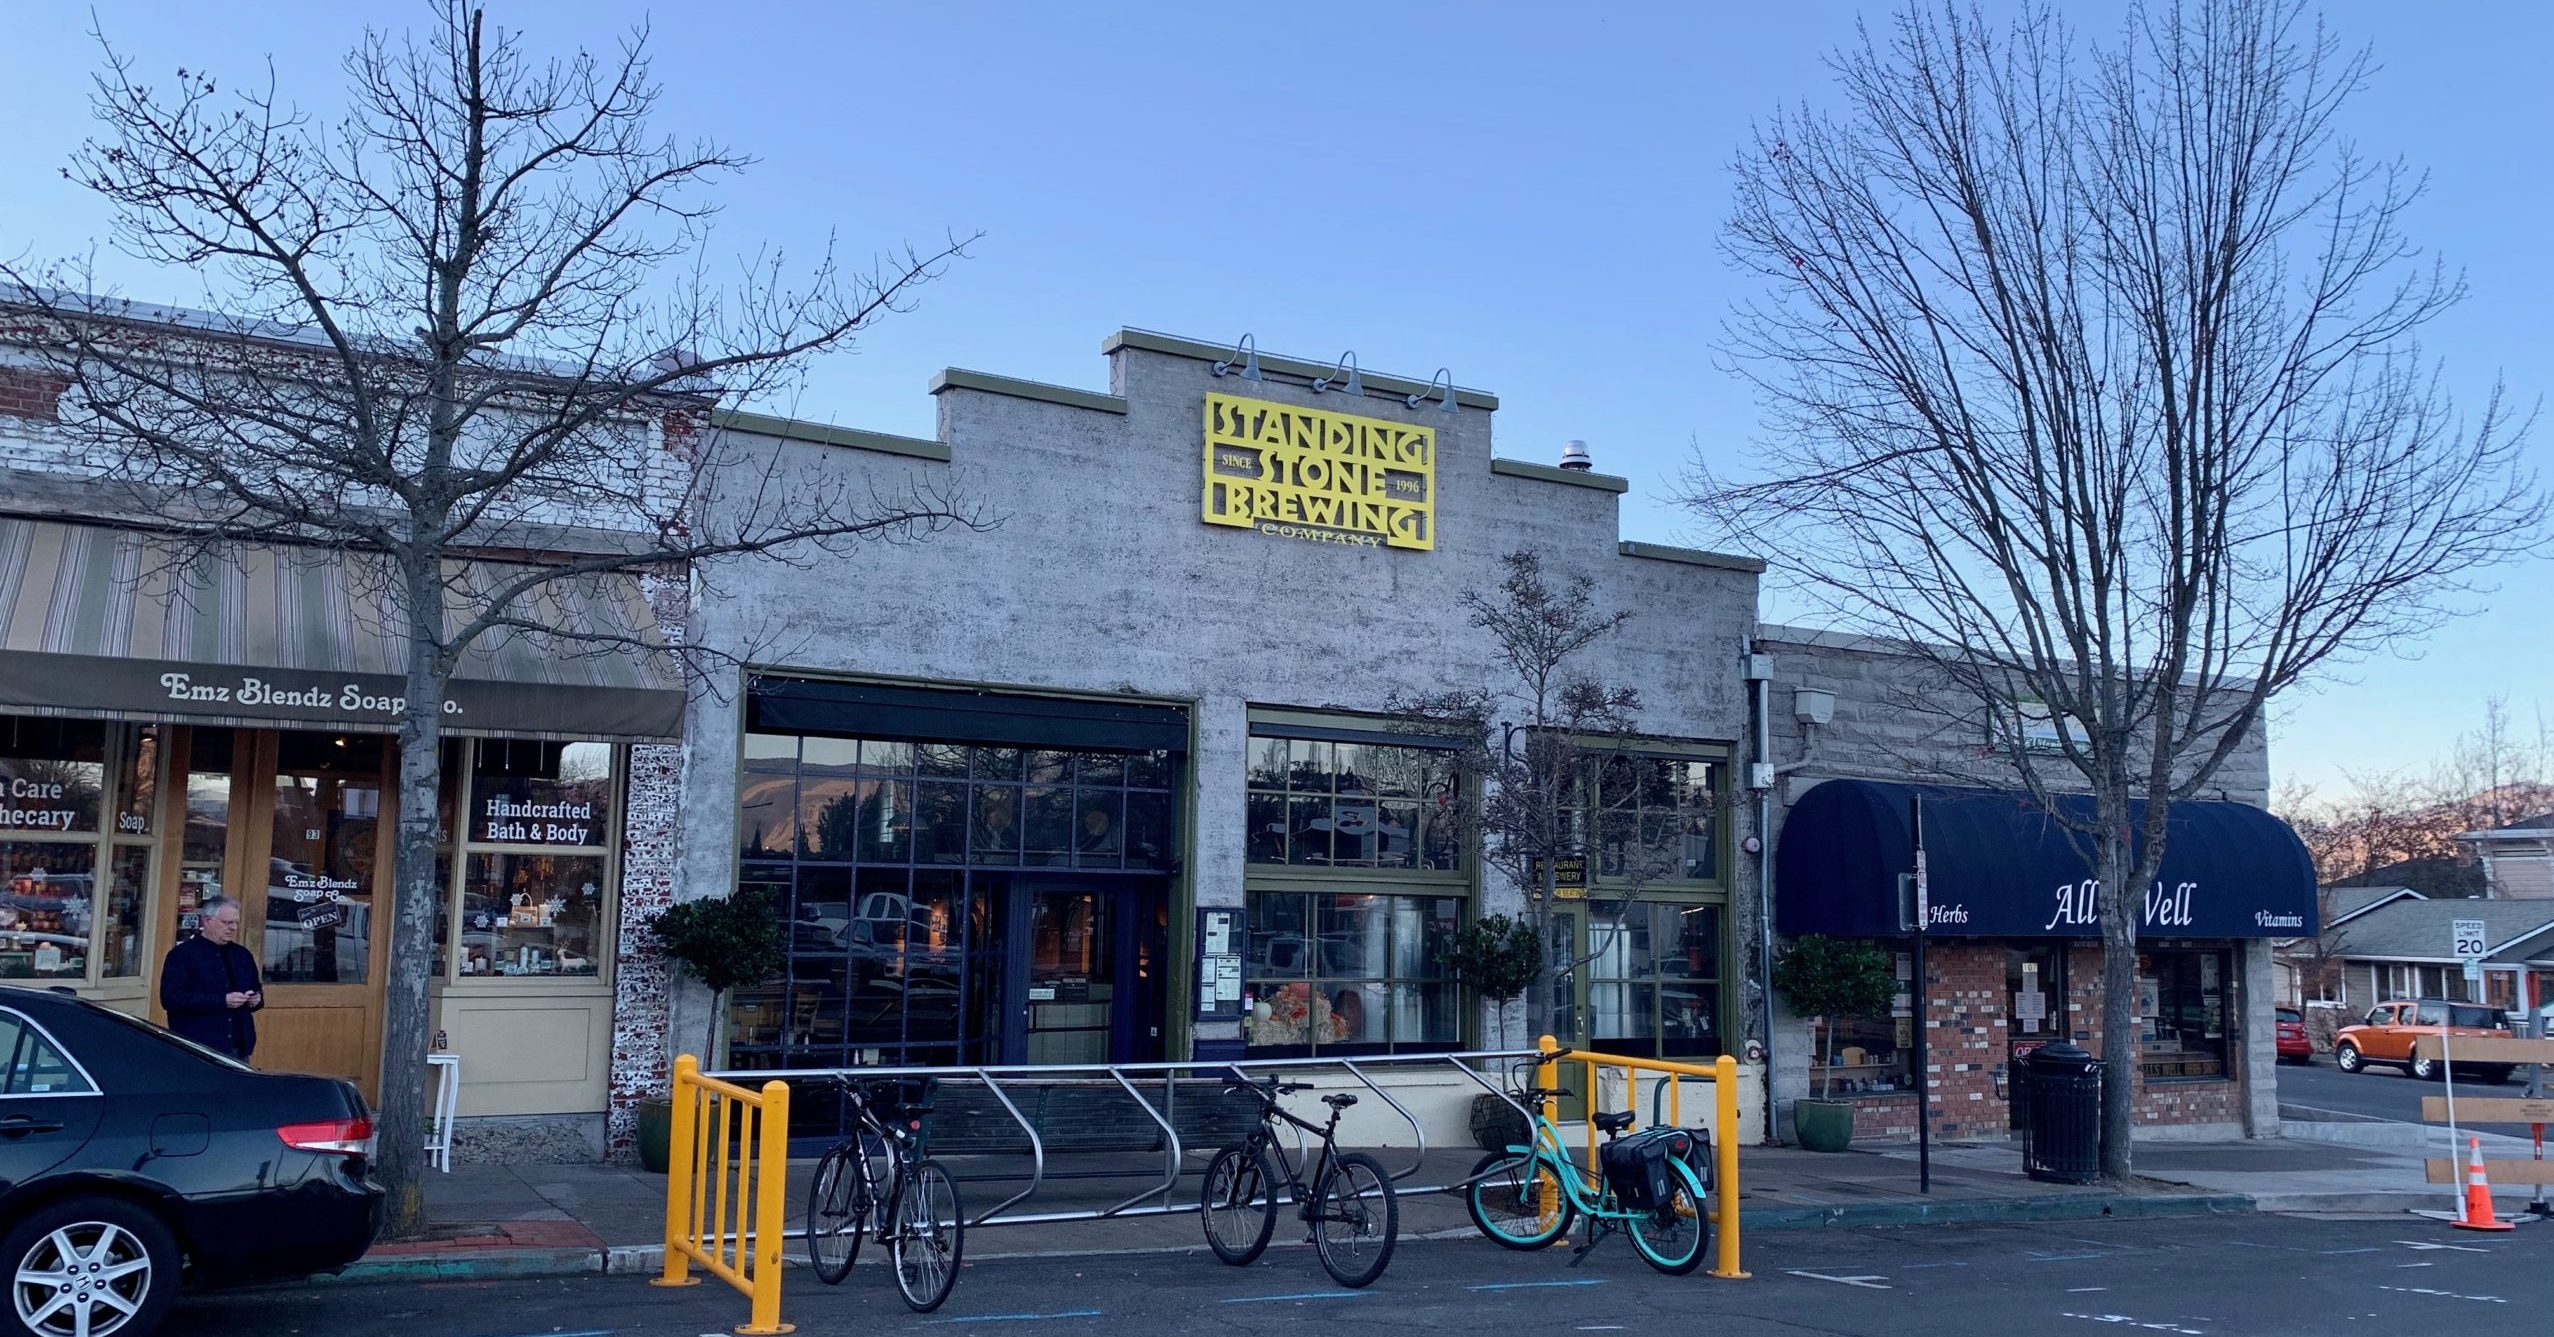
1527 1197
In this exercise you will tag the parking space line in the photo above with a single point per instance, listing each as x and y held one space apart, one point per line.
1299 1295
2445 1295
1012 1318
1535 1285
1868 1282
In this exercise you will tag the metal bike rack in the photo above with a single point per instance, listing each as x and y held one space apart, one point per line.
995 1078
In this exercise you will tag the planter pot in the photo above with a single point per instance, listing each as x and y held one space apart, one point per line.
1822 1125
655 1134
1497 1125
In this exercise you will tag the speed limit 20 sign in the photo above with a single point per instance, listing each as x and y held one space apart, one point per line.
2469 938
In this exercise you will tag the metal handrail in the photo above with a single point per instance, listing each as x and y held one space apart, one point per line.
1169 1181
1104 1069
1037 1153
994 1075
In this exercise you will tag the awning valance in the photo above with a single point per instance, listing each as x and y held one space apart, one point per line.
781 704
113 623
1999 866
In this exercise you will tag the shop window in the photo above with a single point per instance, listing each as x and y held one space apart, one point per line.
1349 973
533 793
1329 804
894 863
2185 1001
75 857
534 871
1653 981
1650 818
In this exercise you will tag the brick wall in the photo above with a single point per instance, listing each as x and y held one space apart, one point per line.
27 393
1884 1118
1964 1036
1968 1033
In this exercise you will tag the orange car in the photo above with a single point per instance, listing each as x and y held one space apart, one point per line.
2388 1033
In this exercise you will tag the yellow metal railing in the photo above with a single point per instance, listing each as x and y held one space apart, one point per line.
726 1189
1722 1211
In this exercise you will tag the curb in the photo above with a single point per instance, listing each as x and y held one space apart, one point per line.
479 1265
1968 1211
637 1259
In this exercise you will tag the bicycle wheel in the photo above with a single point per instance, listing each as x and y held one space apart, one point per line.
929 1236
1518 1200
836 1216
1671 1235
1239 1204
1355 1220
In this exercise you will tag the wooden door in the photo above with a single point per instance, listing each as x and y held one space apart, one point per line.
294 827
319 846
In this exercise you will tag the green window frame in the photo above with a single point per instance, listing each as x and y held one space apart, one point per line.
1677 803
1354 874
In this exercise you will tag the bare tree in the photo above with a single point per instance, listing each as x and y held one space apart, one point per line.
466 338
2091 373
1546 776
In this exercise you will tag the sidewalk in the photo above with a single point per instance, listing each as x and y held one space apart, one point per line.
535 1220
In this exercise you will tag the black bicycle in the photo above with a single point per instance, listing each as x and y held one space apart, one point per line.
1350 1210
877 1181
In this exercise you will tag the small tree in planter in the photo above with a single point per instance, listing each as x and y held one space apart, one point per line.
1829 978
1497 957
725 942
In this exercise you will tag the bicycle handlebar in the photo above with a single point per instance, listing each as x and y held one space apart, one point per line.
1270 1087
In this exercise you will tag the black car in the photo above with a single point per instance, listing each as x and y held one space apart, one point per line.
131 1159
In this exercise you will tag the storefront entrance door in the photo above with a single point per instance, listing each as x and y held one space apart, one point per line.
289 824
1092 974
2035 994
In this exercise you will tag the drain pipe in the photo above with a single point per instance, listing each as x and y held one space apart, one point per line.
1760 779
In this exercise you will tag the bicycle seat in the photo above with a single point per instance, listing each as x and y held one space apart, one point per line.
1339 1100
1614 1121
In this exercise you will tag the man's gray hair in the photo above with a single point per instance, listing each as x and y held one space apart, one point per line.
215 902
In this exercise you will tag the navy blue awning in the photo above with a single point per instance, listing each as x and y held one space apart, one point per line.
1999 866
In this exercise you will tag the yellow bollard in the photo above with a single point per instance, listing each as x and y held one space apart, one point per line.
1547 1076
1725 1152
678 1176
771 1185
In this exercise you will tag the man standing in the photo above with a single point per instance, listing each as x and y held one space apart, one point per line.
209 985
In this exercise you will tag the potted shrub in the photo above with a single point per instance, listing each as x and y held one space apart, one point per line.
1495 956
724 942
1831 978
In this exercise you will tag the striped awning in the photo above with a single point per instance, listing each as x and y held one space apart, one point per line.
115 623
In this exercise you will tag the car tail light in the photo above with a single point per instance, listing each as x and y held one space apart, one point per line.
341 1137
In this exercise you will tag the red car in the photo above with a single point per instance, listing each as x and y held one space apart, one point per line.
2294 1047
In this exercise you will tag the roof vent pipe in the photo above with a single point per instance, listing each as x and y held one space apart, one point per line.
1574 456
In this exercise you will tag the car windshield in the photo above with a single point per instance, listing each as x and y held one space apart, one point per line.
2290 1014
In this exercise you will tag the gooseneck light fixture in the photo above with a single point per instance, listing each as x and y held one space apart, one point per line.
1443 380
1246 355
1354 384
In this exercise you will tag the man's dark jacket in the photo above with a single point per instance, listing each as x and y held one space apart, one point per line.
192 982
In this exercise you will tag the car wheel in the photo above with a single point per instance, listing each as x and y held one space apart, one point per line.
2425 1069
90 1267
2346 1057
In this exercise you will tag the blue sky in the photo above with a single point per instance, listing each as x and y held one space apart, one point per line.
1528 194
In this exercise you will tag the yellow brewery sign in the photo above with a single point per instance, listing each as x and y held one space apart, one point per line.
1329 477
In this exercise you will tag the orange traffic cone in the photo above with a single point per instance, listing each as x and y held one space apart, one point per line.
2478 1196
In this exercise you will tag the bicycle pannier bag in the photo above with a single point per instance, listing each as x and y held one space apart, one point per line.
1637 1165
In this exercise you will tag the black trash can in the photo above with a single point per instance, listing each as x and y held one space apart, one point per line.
2064 1092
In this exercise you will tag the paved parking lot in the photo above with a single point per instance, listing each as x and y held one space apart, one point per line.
2193 1276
